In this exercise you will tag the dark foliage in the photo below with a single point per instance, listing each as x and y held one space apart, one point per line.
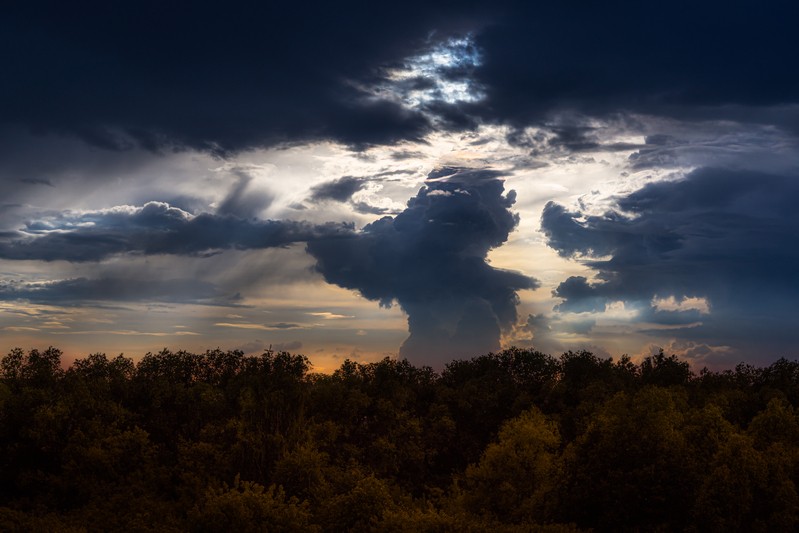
509 441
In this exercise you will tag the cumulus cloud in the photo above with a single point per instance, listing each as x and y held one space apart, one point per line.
709 252
431 259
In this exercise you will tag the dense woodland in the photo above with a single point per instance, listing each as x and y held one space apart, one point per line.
514 441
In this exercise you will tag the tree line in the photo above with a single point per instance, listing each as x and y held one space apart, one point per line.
510 441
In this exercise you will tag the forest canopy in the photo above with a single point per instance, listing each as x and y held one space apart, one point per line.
511 441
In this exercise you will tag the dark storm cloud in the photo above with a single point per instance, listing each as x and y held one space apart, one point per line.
431 259
688 60
155 228
723 235
210 77
340 190
162 76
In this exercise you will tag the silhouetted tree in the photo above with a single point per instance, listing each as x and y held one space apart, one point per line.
509 441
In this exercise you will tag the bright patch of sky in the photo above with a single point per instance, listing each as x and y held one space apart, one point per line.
439 75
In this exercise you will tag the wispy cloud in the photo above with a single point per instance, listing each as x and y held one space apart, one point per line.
266 327
327 315
130 332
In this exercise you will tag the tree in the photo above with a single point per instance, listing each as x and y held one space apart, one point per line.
515 477
665 371
633 451
248 507
747 490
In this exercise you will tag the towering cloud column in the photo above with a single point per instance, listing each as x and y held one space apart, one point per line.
431 259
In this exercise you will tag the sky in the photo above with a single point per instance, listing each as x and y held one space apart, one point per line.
430 181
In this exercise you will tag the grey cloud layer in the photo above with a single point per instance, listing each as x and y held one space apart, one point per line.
155 228
114 289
